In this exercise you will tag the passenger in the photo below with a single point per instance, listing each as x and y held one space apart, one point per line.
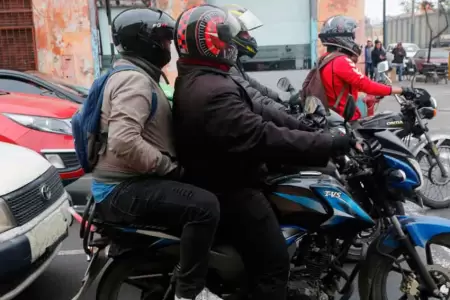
136 179
340 76
223 144
247 46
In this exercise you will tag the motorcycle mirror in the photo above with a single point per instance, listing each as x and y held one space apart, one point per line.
284 84
383 67
311 105
350 108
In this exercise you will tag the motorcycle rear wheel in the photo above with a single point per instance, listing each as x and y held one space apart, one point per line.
120 271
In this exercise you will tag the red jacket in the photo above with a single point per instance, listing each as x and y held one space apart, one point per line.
342 70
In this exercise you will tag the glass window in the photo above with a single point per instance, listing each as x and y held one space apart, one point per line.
284 39
439 54
19 86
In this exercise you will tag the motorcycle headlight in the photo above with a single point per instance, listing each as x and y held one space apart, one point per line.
61 126
433 102
418 170
6 219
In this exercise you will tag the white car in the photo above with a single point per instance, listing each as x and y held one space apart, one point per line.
411 50
34 217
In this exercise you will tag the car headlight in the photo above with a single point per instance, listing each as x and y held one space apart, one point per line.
55 160
61 126
418 170
433 102
6 218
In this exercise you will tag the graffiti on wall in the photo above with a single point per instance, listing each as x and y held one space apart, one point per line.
63 39
352 8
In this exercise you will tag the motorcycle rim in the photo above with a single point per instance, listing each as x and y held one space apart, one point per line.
436 190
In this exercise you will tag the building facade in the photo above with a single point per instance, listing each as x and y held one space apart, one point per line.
72 38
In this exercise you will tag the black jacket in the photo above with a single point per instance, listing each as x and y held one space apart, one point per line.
223 138
399 55
258 92
376 53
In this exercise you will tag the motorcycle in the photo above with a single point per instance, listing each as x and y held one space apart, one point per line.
319 221
409 125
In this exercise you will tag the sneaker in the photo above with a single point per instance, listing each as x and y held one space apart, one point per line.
205 294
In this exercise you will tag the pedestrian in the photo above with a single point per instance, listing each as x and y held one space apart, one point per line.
368 58
378 55
399 57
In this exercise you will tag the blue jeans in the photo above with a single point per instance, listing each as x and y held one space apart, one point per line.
400 69
369 70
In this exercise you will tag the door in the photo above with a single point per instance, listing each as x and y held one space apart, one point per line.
17 42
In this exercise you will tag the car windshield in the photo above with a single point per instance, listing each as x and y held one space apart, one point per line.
439 54
80 91
411 47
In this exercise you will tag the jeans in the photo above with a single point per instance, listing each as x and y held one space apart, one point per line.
174 208
250 224
400 70
369 70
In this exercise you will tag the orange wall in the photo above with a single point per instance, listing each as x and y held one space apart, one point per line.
63 39
352 8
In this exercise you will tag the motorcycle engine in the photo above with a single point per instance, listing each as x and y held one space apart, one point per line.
312 259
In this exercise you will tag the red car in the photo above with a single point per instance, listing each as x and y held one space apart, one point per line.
42 124
438 57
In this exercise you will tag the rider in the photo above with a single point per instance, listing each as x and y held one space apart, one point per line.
341 77
247 46
223 144
136 179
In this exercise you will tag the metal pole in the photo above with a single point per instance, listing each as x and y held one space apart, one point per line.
384 25
108 15
413 16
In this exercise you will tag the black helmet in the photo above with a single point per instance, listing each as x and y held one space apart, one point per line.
245 43
339 31
206 32
144 32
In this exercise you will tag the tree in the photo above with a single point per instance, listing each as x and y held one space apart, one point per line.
421 5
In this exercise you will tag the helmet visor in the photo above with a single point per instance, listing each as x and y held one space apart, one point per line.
229 29
249 21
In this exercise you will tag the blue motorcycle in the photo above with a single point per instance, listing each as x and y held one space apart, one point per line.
320 221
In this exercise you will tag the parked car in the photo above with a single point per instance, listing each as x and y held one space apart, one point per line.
34 217
42 124
36 83
411 50
438 56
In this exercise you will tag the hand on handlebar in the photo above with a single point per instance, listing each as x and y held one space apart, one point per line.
408 93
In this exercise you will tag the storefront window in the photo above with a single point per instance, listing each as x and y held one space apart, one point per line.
284 39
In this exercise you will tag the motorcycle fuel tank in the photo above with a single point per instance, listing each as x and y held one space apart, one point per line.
385 120
316 201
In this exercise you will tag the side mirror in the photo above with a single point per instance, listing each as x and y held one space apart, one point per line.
383 67
284 84
350 108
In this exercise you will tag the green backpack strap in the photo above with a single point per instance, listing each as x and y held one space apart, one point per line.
168 90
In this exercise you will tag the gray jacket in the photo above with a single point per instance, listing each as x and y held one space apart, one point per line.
258 93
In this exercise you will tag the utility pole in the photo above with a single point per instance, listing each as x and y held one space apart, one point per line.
384 25
413 16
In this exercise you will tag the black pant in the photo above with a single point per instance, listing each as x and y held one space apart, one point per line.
248 221
175 208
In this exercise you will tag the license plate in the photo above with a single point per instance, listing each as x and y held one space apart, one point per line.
45 234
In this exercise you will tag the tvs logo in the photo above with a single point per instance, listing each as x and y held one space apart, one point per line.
333 194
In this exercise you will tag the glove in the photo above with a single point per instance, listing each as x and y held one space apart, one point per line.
408 93
175 174
341 144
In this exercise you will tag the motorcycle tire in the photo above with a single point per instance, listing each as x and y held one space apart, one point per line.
355 252
119 270
427 201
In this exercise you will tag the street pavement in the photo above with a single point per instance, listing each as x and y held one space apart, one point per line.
62 280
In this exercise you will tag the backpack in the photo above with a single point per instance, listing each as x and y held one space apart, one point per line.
313 87
89 141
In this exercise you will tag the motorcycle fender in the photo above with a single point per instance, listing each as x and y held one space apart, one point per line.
423 141
96 266
421 230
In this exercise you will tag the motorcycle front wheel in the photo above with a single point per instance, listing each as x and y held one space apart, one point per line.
435 192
